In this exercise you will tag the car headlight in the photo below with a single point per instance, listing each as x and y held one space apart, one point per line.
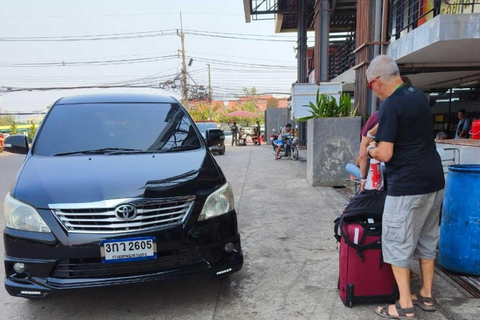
219 202
21 216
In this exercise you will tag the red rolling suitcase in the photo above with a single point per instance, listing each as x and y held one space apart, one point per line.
363 276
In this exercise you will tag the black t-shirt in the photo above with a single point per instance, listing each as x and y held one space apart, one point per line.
406 121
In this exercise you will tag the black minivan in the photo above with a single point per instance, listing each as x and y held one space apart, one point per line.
117 189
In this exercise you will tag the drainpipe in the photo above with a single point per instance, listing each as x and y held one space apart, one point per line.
302 42
325 39
302 76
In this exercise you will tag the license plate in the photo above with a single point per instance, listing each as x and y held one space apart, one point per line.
131 249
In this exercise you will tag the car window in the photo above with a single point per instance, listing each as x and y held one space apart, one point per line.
204 126
144 127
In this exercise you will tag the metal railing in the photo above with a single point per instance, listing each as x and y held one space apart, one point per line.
343 57
406 15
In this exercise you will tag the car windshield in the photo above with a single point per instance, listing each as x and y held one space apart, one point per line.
116 128
204 126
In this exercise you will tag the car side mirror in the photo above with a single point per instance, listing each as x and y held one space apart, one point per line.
16 144
214 137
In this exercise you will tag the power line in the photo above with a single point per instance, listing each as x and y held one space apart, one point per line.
85 63
242 64
149 34
113 36
120 15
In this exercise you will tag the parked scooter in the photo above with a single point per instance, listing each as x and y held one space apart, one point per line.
273 139
292 152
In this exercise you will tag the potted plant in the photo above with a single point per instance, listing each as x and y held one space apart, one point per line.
333 139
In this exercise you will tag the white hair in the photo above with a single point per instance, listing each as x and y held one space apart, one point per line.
383 66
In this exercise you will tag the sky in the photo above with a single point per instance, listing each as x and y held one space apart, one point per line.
270 66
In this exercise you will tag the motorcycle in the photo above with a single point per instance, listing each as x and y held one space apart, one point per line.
273 139
291 151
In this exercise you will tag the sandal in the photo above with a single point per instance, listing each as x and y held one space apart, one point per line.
414 276
421 302
402 313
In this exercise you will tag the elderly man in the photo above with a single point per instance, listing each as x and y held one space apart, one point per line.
405 142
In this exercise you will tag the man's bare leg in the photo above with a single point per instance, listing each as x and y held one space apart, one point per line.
402 276
279 148
428 272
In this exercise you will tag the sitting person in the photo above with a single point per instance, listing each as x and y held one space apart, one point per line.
354 169
282 140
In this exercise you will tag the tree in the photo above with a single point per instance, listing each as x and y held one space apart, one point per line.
32 130
248 106
13 128
6 120
272 103
250 92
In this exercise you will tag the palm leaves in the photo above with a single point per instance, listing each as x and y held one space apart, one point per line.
326 106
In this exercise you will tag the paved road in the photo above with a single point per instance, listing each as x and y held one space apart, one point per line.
290 267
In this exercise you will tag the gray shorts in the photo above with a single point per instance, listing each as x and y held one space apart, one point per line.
410 226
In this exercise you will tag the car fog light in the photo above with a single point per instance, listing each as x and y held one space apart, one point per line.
224 271
229 247
19 267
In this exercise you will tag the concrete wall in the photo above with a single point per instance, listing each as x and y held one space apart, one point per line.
331 144
276 118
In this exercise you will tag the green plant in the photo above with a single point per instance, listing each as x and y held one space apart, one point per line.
6 120
32 130
13 128
326 106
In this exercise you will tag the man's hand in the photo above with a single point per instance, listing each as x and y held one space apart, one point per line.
362 184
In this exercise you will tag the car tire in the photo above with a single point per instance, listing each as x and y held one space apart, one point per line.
221 152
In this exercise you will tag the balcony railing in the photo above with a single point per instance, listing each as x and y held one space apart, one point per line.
406 15
342 58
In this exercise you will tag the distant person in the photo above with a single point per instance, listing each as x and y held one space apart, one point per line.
258 132
359 170
283 140
441 136
235 132
464 125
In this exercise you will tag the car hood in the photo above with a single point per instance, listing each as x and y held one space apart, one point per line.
79 178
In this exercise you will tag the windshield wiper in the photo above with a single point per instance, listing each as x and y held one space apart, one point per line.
101 151
181 148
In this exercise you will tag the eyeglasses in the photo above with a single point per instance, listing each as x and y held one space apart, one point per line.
371 83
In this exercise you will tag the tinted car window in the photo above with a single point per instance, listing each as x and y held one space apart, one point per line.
204 126
144 127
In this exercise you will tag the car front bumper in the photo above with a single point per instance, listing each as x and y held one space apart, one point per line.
53 267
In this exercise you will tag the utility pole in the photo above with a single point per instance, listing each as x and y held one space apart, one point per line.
184 64
210 90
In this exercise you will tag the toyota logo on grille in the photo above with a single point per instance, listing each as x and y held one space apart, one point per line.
126 211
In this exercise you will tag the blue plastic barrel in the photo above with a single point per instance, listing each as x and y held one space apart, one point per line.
459 247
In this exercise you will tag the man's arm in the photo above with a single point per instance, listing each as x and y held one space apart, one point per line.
383 151
373 132
465 129
363 161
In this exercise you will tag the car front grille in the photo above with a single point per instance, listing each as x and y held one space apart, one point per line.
102 217
94 268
